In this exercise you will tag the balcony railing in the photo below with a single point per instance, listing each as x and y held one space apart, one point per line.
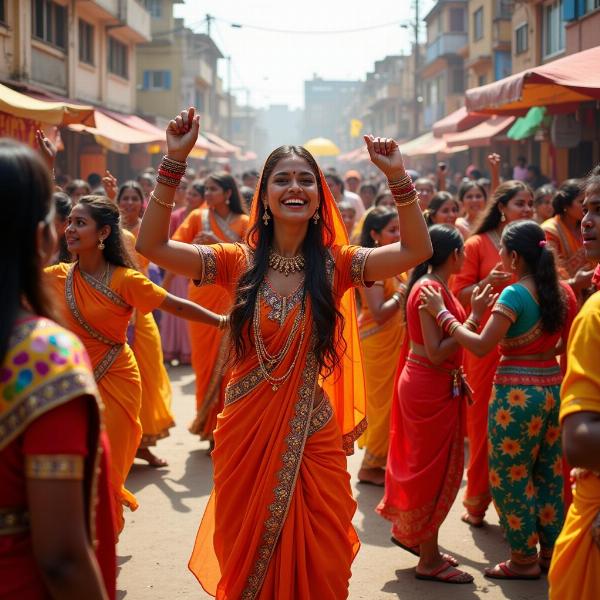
446 43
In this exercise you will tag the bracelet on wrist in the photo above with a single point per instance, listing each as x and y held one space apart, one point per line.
155 198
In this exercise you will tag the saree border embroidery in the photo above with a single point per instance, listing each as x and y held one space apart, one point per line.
357 266
351 437
505 311
238 389
208 262
523 339
54 466
115 347
108 292
320 416
528 375
40 400
281 306
13 520
286 478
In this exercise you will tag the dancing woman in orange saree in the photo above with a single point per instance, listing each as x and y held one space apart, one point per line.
98 294
278 524
510 202
222 220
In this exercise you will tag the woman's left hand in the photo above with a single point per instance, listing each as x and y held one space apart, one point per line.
481 299
431 300
386 156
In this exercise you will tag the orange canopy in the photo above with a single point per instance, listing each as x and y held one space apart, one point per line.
574 78
427 144
459 120
480 135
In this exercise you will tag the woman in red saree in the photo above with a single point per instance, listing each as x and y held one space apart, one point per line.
510 202
278 524
98 294
424 472
221 220
56 531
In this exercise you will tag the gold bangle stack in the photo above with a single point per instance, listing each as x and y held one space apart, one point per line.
223 321
403 191
471 324
397 298
453 327
155 198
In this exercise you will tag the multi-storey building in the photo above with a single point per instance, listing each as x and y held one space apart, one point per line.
443 71
489 51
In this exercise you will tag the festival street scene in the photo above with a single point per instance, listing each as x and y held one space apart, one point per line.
300 301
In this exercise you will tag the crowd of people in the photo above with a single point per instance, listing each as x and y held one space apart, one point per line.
400 313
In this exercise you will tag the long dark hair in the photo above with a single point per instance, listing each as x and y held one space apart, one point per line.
437 201
444 240
131 185
227 183
592 181
528 240
376 219
491 216
104 212
467 186
329 344
62 207
566 194
27 202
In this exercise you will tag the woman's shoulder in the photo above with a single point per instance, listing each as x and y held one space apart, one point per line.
58 269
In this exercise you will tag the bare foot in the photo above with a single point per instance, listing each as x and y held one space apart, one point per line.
153 460
373 476
472 520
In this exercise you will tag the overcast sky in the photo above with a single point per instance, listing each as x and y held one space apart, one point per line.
275 65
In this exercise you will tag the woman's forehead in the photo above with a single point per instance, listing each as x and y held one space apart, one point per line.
294 163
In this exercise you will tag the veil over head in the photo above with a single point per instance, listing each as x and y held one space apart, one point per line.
346 386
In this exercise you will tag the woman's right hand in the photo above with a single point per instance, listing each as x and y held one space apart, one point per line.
481 299
182 133
496 278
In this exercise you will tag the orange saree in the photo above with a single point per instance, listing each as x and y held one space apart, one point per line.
481 256
99 315
278 523
209 351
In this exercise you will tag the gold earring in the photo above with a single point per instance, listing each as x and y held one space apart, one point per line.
316 216
101 244
502 217
266 216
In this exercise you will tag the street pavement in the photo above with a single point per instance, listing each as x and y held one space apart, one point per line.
155 546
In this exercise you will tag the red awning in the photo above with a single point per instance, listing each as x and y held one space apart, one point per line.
220 142
574 78
480 135
459 120
427 144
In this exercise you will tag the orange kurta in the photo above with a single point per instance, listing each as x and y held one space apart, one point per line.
575 569
99 315
208 351
481 256
278 524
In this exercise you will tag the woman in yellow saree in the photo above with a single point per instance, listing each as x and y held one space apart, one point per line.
97 295
278 524
381 330
222 220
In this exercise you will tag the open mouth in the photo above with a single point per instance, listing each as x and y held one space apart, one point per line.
295 202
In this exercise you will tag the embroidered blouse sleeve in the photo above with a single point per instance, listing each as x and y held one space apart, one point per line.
509 304
220 264
350 266
141 293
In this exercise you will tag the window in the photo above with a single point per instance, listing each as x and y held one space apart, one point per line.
86 42
50 23
478 24
522 38
117 58
2 11
157 80
590 5
553 29
457 81
457 20
154 7
503 9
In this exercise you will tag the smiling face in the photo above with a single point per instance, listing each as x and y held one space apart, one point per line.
292 192
473 201
130 206
389 234
590 224
446 214
518 207
214 194
82 233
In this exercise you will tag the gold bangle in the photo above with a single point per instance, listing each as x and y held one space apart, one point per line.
402 204
156 199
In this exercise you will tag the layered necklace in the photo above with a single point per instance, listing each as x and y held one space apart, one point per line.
285 265
268 362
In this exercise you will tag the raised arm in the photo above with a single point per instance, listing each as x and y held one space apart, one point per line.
415 245
153 240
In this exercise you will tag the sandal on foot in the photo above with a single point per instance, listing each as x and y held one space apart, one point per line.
455 576
505 572
478 524
414 550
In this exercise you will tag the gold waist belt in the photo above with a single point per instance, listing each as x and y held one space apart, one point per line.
13 520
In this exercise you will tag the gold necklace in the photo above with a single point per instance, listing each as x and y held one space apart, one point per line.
268 362
285 265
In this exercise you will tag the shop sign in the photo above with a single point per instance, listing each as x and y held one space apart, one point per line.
19 128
